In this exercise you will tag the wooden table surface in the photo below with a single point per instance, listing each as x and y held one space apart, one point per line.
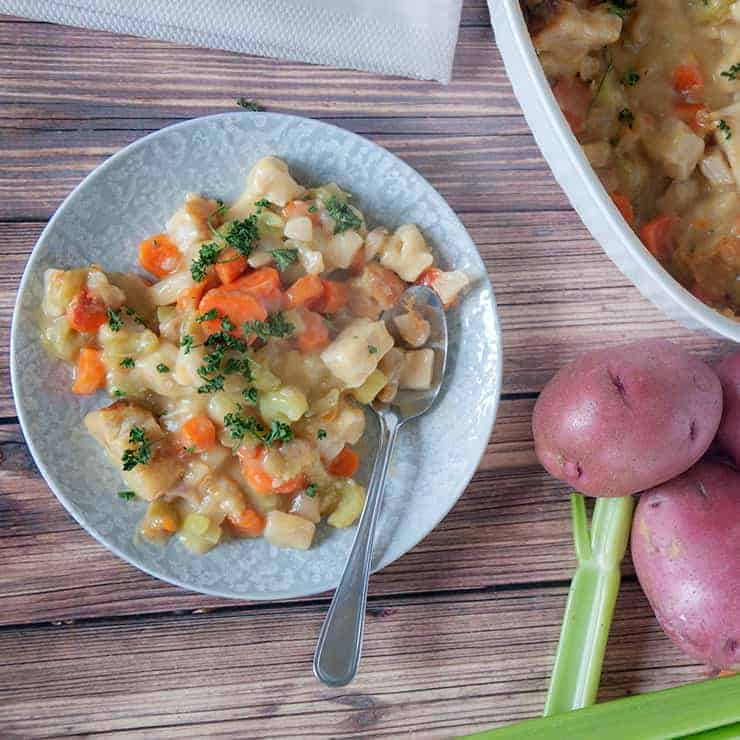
462 630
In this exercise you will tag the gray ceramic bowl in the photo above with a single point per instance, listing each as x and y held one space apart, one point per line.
128 198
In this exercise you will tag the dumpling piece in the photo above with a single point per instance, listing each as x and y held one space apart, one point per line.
112 428
356 352
270 179
406 253
418 367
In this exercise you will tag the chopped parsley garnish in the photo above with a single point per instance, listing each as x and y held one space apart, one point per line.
187 343
240 365
250 395
321 434
343 215
312 208
190 450
723 126
622 8
284 258
239 426
207 256
126 495
247 104
141 453
262 203
162 368
243 235
118 393
732 72
626 116
127 362
208 316
372 349
275 325
631 78
114 320
227 324
311 490
212 385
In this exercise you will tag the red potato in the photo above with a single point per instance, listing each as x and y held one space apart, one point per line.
620 420
728 434
686 550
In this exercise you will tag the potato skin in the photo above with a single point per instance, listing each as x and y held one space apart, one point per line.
686 550
728 434
623 419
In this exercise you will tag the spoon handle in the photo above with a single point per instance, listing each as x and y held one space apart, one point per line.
340 641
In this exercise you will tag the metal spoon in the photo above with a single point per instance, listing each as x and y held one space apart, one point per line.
340 641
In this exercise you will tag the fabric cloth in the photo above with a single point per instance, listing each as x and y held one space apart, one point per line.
412 38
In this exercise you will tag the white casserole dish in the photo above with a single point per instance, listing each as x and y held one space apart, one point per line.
580 183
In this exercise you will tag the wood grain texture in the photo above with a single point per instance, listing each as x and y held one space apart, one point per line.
432 667
462 630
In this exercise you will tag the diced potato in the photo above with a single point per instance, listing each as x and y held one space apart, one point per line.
341 249
715 168
99 286
60 287
675 147
710 12
188 226
370 388
325 405
221 403
288 402
413 328
417 370
374 242
349 507
168 321
270 179
160 522
263 378
311 260
300 228
449 285
730 146
289 530
306 506
407 253
391 366
199 533
165 291
355 353
346 428
62 340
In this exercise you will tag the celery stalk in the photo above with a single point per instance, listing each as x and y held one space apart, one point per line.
711 707
593 593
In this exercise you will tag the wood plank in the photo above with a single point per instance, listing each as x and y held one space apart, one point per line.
122 74
432 667
558 295
474 173
510 526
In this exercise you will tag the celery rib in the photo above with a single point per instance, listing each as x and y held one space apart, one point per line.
593 594
711 708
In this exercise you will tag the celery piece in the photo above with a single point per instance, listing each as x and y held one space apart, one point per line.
593 594
710 707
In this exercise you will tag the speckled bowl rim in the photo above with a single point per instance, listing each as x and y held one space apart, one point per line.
392 552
